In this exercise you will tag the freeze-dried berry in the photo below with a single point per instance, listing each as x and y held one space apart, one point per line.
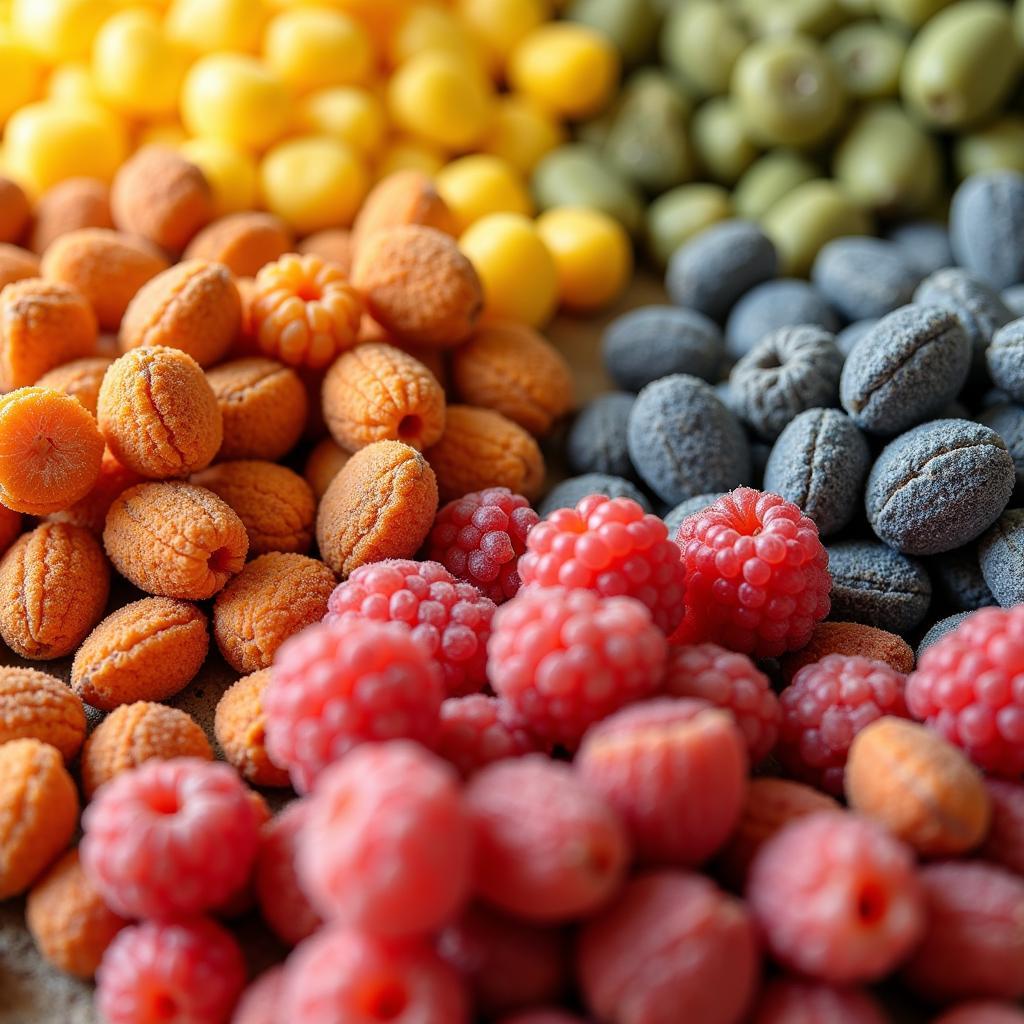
477 730
1004 843
81 378
793 1001
244 242
985 222
91 510
1003 357
596 442
864 277
240 727
36 705
407 196
785 302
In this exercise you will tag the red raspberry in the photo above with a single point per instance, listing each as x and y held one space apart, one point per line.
335 685
837 898
613 547
825 706
564 659
970 687
792 1001
155 972
451 620
479 538
671 948
339 975
478 730
982 1011
974 945
259 1001
756 575
170 838
548 848
1005 842
732 681
387 845
675 770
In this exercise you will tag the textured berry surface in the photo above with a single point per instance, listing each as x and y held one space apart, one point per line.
970 687
170 838
449 619
836 898
387 844
159 972
335 685
564 659
732 681
480 537
791 1001
478 730
757 575
612 547
825 706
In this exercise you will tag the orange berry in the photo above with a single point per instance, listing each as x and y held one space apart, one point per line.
81 378
36 705
850 638
243 242
403 197
332 245
70 205
240 727
91 511
323 464
15 211
16 264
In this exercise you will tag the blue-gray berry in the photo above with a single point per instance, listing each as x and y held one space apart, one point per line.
1001 556
986 226
569 492
852 333
1005 358
957 576
924 244
596 442
1013 299
941 629
864 277
773 304
674 518
1007 420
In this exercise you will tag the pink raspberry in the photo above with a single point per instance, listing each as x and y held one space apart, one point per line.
974 945
756 575
479 538
676 772
612 547
259 1001
837 898
1005 842
825 706
387 846
449 619
732 681
478 730
170 838
564 659
982 1011
335 685
970 687
548 848
794 1001
671 948
283 904
339 975
155 972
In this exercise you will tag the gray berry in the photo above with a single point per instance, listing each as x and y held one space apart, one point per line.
655 341
1013 299
1001 555
1007 420
683 441
938 486
957 576
773 304
986 226
905 369
864 277
939 631
674 518
852 333
712 270
924 244
1005 358
569 492
597 439
820 463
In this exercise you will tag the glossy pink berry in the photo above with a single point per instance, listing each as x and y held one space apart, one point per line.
259 1002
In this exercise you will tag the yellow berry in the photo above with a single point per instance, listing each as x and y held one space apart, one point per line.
570 69
518 272
522 132
592 252
353 115
502 24
311 48
426 27
161 133
409 154
204 26
21 78
314 182
474 186
230 171
72 83
59 30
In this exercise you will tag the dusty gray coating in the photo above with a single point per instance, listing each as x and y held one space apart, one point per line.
956 575
683 441
877 586
1007 420
986 226
941 629
788 371
938 486
596 442
685 509
1013 299
908 366
651 342
852 333
1005 358
924 244
569 492
1001 556
712 270
773 304
864 277
820 463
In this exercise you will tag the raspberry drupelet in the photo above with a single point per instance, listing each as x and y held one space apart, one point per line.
450 619
757 576
478 730
612 547
479 538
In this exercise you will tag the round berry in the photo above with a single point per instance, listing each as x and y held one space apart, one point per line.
335 685
612 547
170 838
825 706
756 575
478 730
159 971
837 898
564 659
792 1001
480 537
1005 841
259 1001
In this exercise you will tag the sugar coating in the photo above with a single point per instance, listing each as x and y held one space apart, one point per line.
905 368
852 333
877 586
569 492
1005 358
820 463
1007 420
688 507
773 304
596 442
986 226
646 344
1013 299
684 441
941 629
924 244
1001 557
939 486
710 272
956 576
864 277
790 370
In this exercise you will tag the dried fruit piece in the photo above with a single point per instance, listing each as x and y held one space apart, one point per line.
15 210
850 638
283 904
71 205
323 464
403 197
240 728
36 705
16 264
332 245
91 510
81 378
243 242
